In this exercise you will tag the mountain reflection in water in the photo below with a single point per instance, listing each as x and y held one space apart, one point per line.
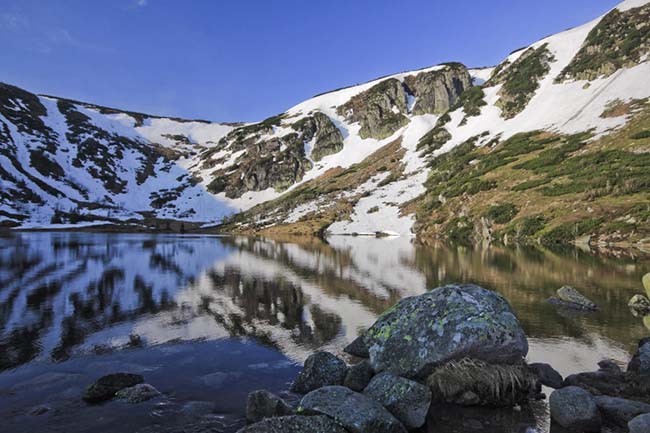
66 294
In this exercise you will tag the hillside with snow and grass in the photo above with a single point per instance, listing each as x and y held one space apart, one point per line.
552 144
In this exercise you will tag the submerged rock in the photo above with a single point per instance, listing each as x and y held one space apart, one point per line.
295 424
138 393
407 400
451 322
575 409
620 411
357 348
321 369
263 404
356 412
547 375
640 424
107 386
575 299
358 376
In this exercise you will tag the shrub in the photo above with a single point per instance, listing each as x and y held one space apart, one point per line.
502 213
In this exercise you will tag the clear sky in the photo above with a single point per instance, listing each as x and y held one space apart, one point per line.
244 60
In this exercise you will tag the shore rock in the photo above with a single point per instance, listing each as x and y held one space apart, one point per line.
263 404
609 366
575 409
295 424
547 375
357 348
321 369
640 362
451 322
640 424
572 296
138 393
354 411
407 400
620 411
358 376
598 382
107 386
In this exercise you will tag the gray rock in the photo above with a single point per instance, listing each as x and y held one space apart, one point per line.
640 362
640 305
598 382
138 393
620 411
263 404
358 376
356 412
321 369
327 137
357 348
575 409
295 424
451 322
609 366
572 296
547 375
407 400
106 386
437 91
640 424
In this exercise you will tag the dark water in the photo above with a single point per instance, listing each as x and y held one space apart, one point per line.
207 319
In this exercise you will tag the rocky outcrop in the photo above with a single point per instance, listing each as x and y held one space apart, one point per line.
407 400
437 91
295 424
356 412
575 409
319 128
449 323
107 386
320 369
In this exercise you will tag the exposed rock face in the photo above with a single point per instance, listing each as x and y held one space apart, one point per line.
620 411
320 128
107 386
138 393
547 375
451 322
575 409
321 369
407 400
381 110
263 404
620 40
295 424
640 424
358 376
356 412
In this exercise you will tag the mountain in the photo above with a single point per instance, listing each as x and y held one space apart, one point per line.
551 145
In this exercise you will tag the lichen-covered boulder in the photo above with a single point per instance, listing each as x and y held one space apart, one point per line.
572 296
640 305
320 369
263 404
107 386
451 322
356 412
575 409
407 400
295 424
358 376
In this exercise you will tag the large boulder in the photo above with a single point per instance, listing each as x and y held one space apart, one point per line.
546 375
620 411
320 369
640 362
295 424
640 424
263 404
575 409
107 386
451 322
358 376
407 400
356 412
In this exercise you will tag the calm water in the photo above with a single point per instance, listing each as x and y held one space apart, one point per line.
207 319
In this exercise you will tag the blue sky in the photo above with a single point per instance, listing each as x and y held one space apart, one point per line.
244 60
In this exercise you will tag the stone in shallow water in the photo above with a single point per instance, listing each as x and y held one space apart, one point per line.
138 393
321 369
547 375
263 404
640 305
575 409
407 400
106 386
451 322
356 412
295 424
358 376
572 296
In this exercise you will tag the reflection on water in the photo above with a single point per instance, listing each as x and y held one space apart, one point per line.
63 295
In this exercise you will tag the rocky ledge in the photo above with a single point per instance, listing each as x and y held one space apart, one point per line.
457 347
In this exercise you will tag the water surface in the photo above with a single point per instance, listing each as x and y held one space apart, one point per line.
208 319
